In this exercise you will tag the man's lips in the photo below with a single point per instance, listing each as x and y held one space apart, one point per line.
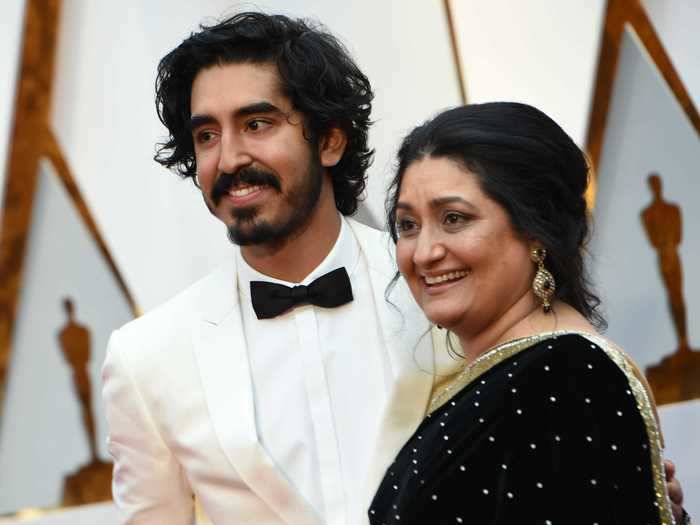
233 186
242 191
245 194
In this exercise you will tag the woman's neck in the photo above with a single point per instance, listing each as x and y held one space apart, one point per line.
525 318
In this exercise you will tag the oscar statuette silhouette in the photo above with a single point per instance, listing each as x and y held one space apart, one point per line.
91 482
677 376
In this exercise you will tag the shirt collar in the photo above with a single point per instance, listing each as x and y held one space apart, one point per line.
345 252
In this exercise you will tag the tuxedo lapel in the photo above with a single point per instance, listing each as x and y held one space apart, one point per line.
409 347
222 356
405 330
408 343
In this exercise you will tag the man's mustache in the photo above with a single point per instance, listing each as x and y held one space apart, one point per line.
252 176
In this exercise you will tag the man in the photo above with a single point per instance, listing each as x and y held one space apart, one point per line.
268 412
271 404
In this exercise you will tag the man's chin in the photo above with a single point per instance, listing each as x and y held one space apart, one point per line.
252 234
245 217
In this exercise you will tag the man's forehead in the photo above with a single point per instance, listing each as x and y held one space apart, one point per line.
237 84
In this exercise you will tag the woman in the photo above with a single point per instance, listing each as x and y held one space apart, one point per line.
548 422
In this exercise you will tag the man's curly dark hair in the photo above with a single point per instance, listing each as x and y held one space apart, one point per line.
317 74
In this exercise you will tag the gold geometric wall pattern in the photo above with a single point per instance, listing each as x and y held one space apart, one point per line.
618 14
677 376
457 59
32 141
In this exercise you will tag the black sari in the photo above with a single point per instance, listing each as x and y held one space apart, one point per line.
550 429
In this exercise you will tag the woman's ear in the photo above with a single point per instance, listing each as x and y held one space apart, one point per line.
532 243
331 147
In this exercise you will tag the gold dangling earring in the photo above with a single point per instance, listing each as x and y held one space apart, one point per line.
543 285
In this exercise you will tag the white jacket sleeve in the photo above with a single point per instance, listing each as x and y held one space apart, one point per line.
148 486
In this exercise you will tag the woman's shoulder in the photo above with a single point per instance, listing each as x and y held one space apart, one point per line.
577 345
585 359
581 347
585 351
593 362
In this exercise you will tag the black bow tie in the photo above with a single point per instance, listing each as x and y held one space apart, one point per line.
328 291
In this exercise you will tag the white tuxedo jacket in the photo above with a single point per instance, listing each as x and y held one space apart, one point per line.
179 404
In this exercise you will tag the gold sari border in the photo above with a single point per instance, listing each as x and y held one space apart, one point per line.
646 408
479 366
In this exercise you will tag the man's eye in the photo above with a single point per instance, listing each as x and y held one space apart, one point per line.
257 125
203 137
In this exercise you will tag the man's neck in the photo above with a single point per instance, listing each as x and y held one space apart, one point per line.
297 257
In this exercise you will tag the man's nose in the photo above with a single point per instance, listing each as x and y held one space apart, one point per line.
233 153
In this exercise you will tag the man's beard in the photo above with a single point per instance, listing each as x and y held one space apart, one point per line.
301 200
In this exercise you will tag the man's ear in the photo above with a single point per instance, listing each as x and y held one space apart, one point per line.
331 147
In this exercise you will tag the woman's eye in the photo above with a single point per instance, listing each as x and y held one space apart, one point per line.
452 218
405 226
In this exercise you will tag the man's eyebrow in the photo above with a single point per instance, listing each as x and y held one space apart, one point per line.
251 109
199 120
257 107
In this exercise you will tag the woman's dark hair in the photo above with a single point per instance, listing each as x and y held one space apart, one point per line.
316 73
525 162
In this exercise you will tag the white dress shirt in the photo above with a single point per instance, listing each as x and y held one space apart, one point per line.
320 378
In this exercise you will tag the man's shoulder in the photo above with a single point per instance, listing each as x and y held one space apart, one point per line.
377 247
179 314
365 232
